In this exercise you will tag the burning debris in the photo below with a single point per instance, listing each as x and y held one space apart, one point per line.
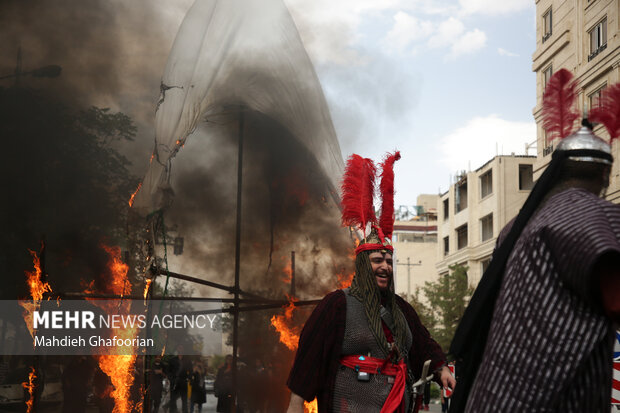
38 287
133 195
344 280
30 388
289 336
147 287
120 368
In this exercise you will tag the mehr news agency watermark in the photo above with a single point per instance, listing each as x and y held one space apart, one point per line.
83 327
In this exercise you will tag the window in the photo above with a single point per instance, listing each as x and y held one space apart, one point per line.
461 237
446 245
598 38
486 183
460 199
547 23
486 228
526 177
595 97
485 264
446 209
546 76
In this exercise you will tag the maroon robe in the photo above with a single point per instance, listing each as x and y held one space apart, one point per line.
317 359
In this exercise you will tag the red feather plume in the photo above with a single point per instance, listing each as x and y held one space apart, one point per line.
557 109
386 221
358 187
608 111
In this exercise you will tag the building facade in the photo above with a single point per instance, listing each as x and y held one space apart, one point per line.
415 245
476 208
582 37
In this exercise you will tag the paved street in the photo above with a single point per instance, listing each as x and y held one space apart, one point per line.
209 407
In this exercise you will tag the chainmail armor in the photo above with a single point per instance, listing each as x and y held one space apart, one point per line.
350 394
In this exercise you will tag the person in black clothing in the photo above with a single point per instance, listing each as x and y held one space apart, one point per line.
180 370
257 389
199 393
156 383
223 387
75 382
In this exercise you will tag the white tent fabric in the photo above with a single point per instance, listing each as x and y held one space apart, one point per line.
238 52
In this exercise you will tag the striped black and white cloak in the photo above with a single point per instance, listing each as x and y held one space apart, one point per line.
550 344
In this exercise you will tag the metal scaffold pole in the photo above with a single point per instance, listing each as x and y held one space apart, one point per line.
237 261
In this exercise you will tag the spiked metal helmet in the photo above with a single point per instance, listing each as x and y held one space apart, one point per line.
585 140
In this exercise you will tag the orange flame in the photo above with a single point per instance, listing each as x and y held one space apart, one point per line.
147 286
118 271
352 253
29 385
120 370
345 280
118 367
289 336
134 194
288 271
37 289
312 407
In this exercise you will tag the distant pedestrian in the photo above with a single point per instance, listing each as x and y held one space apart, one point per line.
197 383
76 379
223 386
156 381
180 370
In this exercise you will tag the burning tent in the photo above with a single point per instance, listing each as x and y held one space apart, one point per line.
240 90
232 56
238 76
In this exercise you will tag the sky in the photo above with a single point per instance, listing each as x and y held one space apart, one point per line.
448 83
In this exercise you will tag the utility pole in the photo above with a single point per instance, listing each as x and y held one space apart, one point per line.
409 265
50 71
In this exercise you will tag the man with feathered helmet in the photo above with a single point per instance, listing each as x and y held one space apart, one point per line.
362 346
538 333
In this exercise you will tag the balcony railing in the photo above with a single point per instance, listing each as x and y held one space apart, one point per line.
548 150
597 51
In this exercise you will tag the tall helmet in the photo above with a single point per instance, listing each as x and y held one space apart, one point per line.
586 146
358 187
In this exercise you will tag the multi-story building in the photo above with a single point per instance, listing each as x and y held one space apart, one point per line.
415 243
581 36
476 208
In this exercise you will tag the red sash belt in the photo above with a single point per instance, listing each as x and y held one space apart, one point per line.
374 365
